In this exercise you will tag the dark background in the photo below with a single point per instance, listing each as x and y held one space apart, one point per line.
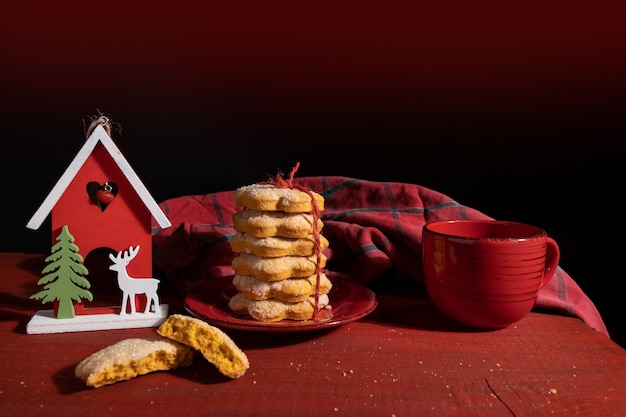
513 108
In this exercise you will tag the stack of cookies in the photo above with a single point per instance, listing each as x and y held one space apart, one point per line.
278 267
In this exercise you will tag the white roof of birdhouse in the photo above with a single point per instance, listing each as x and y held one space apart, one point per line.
98 135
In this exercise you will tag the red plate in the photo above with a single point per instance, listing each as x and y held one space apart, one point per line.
350 301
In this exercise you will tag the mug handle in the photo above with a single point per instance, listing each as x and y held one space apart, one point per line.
553 255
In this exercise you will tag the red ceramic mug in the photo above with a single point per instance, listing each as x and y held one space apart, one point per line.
486 273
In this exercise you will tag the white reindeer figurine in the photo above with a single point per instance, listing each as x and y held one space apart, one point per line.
132 286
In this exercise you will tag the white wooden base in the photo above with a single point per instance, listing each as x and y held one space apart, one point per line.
44 321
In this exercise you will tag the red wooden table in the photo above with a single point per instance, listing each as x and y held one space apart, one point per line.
404 359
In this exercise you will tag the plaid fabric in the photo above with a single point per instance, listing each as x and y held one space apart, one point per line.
374 230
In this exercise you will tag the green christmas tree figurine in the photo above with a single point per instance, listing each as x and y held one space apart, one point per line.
64 276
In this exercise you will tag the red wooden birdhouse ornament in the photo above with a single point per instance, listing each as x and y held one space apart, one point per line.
104 205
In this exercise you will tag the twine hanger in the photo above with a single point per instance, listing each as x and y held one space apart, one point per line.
102 120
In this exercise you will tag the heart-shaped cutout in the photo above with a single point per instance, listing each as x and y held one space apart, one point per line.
101 195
